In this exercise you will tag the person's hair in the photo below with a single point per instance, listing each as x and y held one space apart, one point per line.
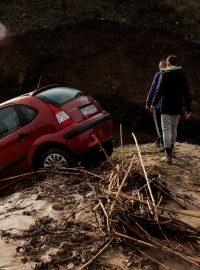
172 60
163 64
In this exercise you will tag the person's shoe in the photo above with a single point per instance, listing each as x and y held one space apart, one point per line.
161 148
167 159
168 156
157 142
172 150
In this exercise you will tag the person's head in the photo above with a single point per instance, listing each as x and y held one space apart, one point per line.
162 64
171 60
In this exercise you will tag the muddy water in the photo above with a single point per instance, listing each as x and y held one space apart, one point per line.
8 258
18 213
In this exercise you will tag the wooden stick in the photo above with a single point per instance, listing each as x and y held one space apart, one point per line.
121 139
146 177
100 145
181 212
69 214
167 194
20 175
187 258
97 255
159 202
143 230
134 239
110 180
76 170
153 259
175 211
96 207
106 215
178 184
112 183
123 181
181 197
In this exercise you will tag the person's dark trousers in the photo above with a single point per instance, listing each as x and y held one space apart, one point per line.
157 121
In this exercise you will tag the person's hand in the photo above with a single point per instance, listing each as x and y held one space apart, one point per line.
152 108
188 115
147 107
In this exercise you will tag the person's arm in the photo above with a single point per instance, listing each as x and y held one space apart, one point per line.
159 91
187 99
152 90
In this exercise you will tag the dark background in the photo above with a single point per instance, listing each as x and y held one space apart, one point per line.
109 49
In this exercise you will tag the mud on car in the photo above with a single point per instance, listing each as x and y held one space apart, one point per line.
52 126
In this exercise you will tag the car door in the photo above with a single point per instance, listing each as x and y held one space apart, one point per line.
15 141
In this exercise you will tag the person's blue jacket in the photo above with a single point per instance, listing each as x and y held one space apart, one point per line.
152 90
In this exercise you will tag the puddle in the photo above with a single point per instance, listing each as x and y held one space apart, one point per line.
18 213
8 258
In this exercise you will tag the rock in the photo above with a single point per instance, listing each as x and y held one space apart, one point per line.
70 266
58 206
64 246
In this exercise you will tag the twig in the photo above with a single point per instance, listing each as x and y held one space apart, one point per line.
187 258
167 194
97 255
106 215
110 180
106 155
181 212
181 197
121 139
159 202
71 212
175 211
134 239
153 259
178 184
20 175
75 170
119 190
146 177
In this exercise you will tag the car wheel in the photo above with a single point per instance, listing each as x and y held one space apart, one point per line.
55 158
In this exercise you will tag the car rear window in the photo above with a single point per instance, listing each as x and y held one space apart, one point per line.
59 96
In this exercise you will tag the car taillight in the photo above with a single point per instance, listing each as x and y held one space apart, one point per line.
61 116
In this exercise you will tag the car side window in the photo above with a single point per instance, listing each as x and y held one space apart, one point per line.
28 112
9 121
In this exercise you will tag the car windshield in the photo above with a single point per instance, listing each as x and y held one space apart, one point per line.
59 96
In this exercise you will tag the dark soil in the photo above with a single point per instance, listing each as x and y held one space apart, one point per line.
109 49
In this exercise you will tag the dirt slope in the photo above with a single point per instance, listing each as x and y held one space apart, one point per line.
110 49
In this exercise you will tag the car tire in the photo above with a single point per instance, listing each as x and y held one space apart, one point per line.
56 158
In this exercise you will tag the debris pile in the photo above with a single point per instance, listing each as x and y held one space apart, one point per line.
131 209
123 204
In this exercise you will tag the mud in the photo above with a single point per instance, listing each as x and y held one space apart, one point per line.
50 224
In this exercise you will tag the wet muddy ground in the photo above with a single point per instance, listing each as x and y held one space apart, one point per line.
50 224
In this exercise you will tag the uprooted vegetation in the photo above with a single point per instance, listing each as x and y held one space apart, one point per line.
127 203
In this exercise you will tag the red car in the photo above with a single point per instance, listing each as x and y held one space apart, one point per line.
52 126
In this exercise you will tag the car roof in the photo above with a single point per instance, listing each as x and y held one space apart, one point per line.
26 96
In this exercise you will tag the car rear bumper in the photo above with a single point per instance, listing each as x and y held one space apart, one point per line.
80 139
76 131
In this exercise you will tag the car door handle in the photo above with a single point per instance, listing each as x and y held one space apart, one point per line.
22 136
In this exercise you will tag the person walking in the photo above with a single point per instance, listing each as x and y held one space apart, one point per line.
156 112
172 92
